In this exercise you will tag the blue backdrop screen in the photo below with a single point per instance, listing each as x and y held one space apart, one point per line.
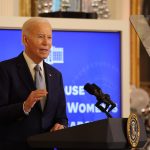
82 57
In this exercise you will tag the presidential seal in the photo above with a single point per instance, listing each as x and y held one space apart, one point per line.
133 130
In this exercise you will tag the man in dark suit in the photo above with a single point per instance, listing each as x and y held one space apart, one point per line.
22 111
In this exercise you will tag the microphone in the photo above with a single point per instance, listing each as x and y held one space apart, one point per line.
98 92
88 87
101 96
93 89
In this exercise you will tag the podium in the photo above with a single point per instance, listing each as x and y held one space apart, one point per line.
105 134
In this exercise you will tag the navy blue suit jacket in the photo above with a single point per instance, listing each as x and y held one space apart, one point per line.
16 84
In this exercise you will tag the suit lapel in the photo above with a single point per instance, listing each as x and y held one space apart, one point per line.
26 78
24 73
49 83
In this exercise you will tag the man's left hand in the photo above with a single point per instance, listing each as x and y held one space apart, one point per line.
56 127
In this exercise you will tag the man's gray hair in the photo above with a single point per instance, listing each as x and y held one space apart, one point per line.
33 21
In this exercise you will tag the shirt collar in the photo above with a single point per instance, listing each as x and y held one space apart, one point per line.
31 63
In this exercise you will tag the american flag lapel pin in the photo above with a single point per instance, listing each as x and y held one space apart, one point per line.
50 75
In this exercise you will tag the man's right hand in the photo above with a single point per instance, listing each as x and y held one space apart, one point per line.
33 98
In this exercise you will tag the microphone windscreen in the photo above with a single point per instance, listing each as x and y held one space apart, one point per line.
89 88
96 87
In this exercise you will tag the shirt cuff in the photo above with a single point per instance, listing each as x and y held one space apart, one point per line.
25 112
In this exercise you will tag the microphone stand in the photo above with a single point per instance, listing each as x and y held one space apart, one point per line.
103 109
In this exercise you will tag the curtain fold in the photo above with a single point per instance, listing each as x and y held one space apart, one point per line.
25 7
135 46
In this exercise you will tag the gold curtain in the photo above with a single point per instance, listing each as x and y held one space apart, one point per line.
135 46
25 7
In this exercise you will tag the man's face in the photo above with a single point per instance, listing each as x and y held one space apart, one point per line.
38 41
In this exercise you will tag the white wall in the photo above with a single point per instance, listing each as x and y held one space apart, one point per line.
9 7
119 9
